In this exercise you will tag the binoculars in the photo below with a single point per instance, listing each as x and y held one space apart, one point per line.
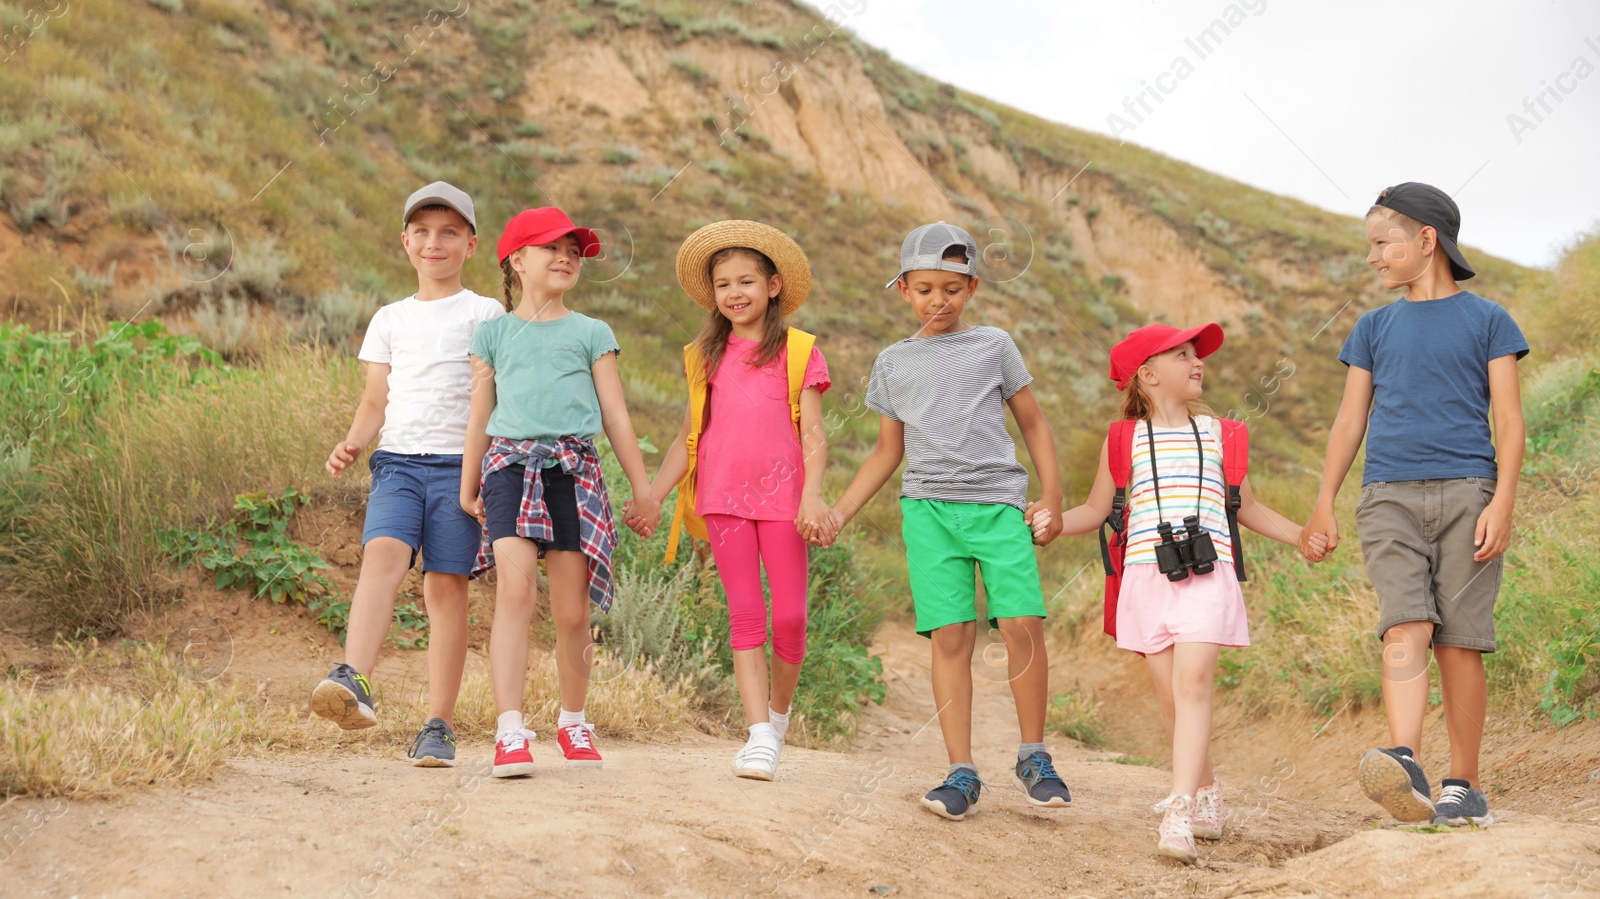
1189 550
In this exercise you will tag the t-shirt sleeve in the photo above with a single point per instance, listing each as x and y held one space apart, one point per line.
1357 349
602 341
878 389
817 372
1013 371
1505 338
482 344
375 346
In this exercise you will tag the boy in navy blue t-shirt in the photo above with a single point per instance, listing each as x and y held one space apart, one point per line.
1436 493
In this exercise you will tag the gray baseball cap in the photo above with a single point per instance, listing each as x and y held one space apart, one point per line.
924 249
442 193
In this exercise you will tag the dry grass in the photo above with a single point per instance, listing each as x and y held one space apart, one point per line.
113 723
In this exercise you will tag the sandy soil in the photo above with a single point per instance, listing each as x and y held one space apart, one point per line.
669 819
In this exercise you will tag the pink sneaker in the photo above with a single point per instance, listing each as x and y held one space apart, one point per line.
577 744
1177 829
512 757
1208 812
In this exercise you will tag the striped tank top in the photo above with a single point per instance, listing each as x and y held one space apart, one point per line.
1183 479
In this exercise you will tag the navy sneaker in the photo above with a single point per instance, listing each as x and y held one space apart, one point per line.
1460 804
1395 781
1036 777
434 747
345 698
955 797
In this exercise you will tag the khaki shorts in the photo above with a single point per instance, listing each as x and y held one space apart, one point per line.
1416 538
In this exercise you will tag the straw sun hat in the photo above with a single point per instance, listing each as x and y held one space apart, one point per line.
694 257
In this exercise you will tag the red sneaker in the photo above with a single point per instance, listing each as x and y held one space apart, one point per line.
577 744
511 755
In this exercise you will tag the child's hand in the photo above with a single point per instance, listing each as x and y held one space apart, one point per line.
342 456
1323 528
1493 534
815 522
1045 520
1315 546
473 505
642 514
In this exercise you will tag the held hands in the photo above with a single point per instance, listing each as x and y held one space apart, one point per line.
817 522
1320 537
1044 518
642 514
344 453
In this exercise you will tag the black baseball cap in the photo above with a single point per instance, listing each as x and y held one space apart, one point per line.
1433 207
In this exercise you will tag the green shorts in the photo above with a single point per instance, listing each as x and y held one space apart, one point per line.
944 541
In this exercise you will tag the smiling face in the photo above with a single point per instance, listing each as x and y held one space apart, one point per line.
438 242
1399 249
742 291
938 298
550 268
1177 373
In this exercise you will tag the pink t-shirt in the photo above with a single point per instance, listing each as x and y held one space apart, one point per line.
749 461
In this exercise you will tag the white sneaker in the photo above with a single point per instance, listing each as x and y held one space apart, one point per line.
758 760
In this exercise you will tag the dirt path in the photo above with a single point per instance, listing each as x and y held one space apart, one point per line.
670 820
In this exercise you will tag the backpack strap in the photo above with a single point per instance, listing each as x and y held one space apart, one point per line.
1119 459
799 349
1235 465
683 515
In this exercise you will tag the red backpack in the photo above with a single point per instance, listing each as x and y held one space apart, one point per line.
1119 458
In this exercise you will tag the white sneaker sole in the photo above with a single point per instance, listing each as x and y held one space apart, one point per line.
515 769
334 701
585 763
1388 783
431 761
1207 834
938 808
753 773
1053 802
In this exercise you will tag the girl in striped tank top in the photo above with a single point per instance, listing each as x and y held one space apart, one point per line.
1179 626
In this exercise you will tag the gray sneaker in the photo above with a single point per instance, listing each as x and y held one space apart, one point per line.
1036 777
345 698
434 747
955 797
1460 804
1395 781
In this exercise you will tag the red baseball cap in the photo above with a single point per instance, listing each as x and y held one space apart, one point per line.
1153 340
537 227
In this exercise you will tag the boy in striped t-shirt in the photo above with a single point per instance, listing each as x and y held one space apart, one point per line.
942 394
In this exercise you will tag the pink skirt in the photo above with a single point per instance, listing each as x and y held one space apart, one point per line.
1153 613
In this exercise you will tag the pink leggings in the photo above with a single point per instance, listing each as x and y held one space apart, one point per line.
740 547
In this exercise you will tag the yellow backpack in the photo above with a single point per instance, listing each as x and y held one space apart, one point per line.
799 348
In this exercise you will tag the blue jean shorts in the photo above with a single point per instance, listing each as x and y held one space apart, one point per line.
416 499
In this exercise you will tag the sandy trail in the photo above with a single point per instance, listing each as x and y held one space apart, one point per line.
669 819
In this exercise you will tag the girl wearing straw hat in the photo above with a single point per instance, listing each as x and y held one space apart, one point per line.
748 460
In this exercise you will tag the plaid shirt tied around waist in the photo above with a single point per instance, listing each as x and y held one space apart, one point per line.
597 532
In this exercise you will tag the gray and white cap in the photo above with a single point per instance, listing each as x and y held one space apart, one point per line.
442 193
924 249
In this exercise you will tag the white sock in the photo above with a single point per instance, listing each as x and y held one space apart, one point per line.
509 722
763 730
780 721
568 719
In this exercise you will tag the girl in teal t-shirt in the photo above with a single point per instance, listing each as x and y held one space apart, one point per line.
544 383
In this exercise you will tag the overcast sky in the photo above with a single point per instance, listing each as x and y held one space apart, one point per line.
1326 102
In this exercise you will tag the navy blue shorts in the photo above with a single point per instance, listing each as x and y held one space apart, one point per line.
502 499
416 499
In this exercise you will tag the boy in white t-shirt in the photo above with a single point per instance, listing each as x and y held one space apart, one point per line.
418 392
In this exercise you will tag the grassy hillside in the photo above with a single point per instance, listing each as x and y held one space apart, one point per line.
235 168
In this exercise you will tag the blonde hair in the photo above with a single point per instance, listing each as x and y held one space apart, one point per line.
1137 404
